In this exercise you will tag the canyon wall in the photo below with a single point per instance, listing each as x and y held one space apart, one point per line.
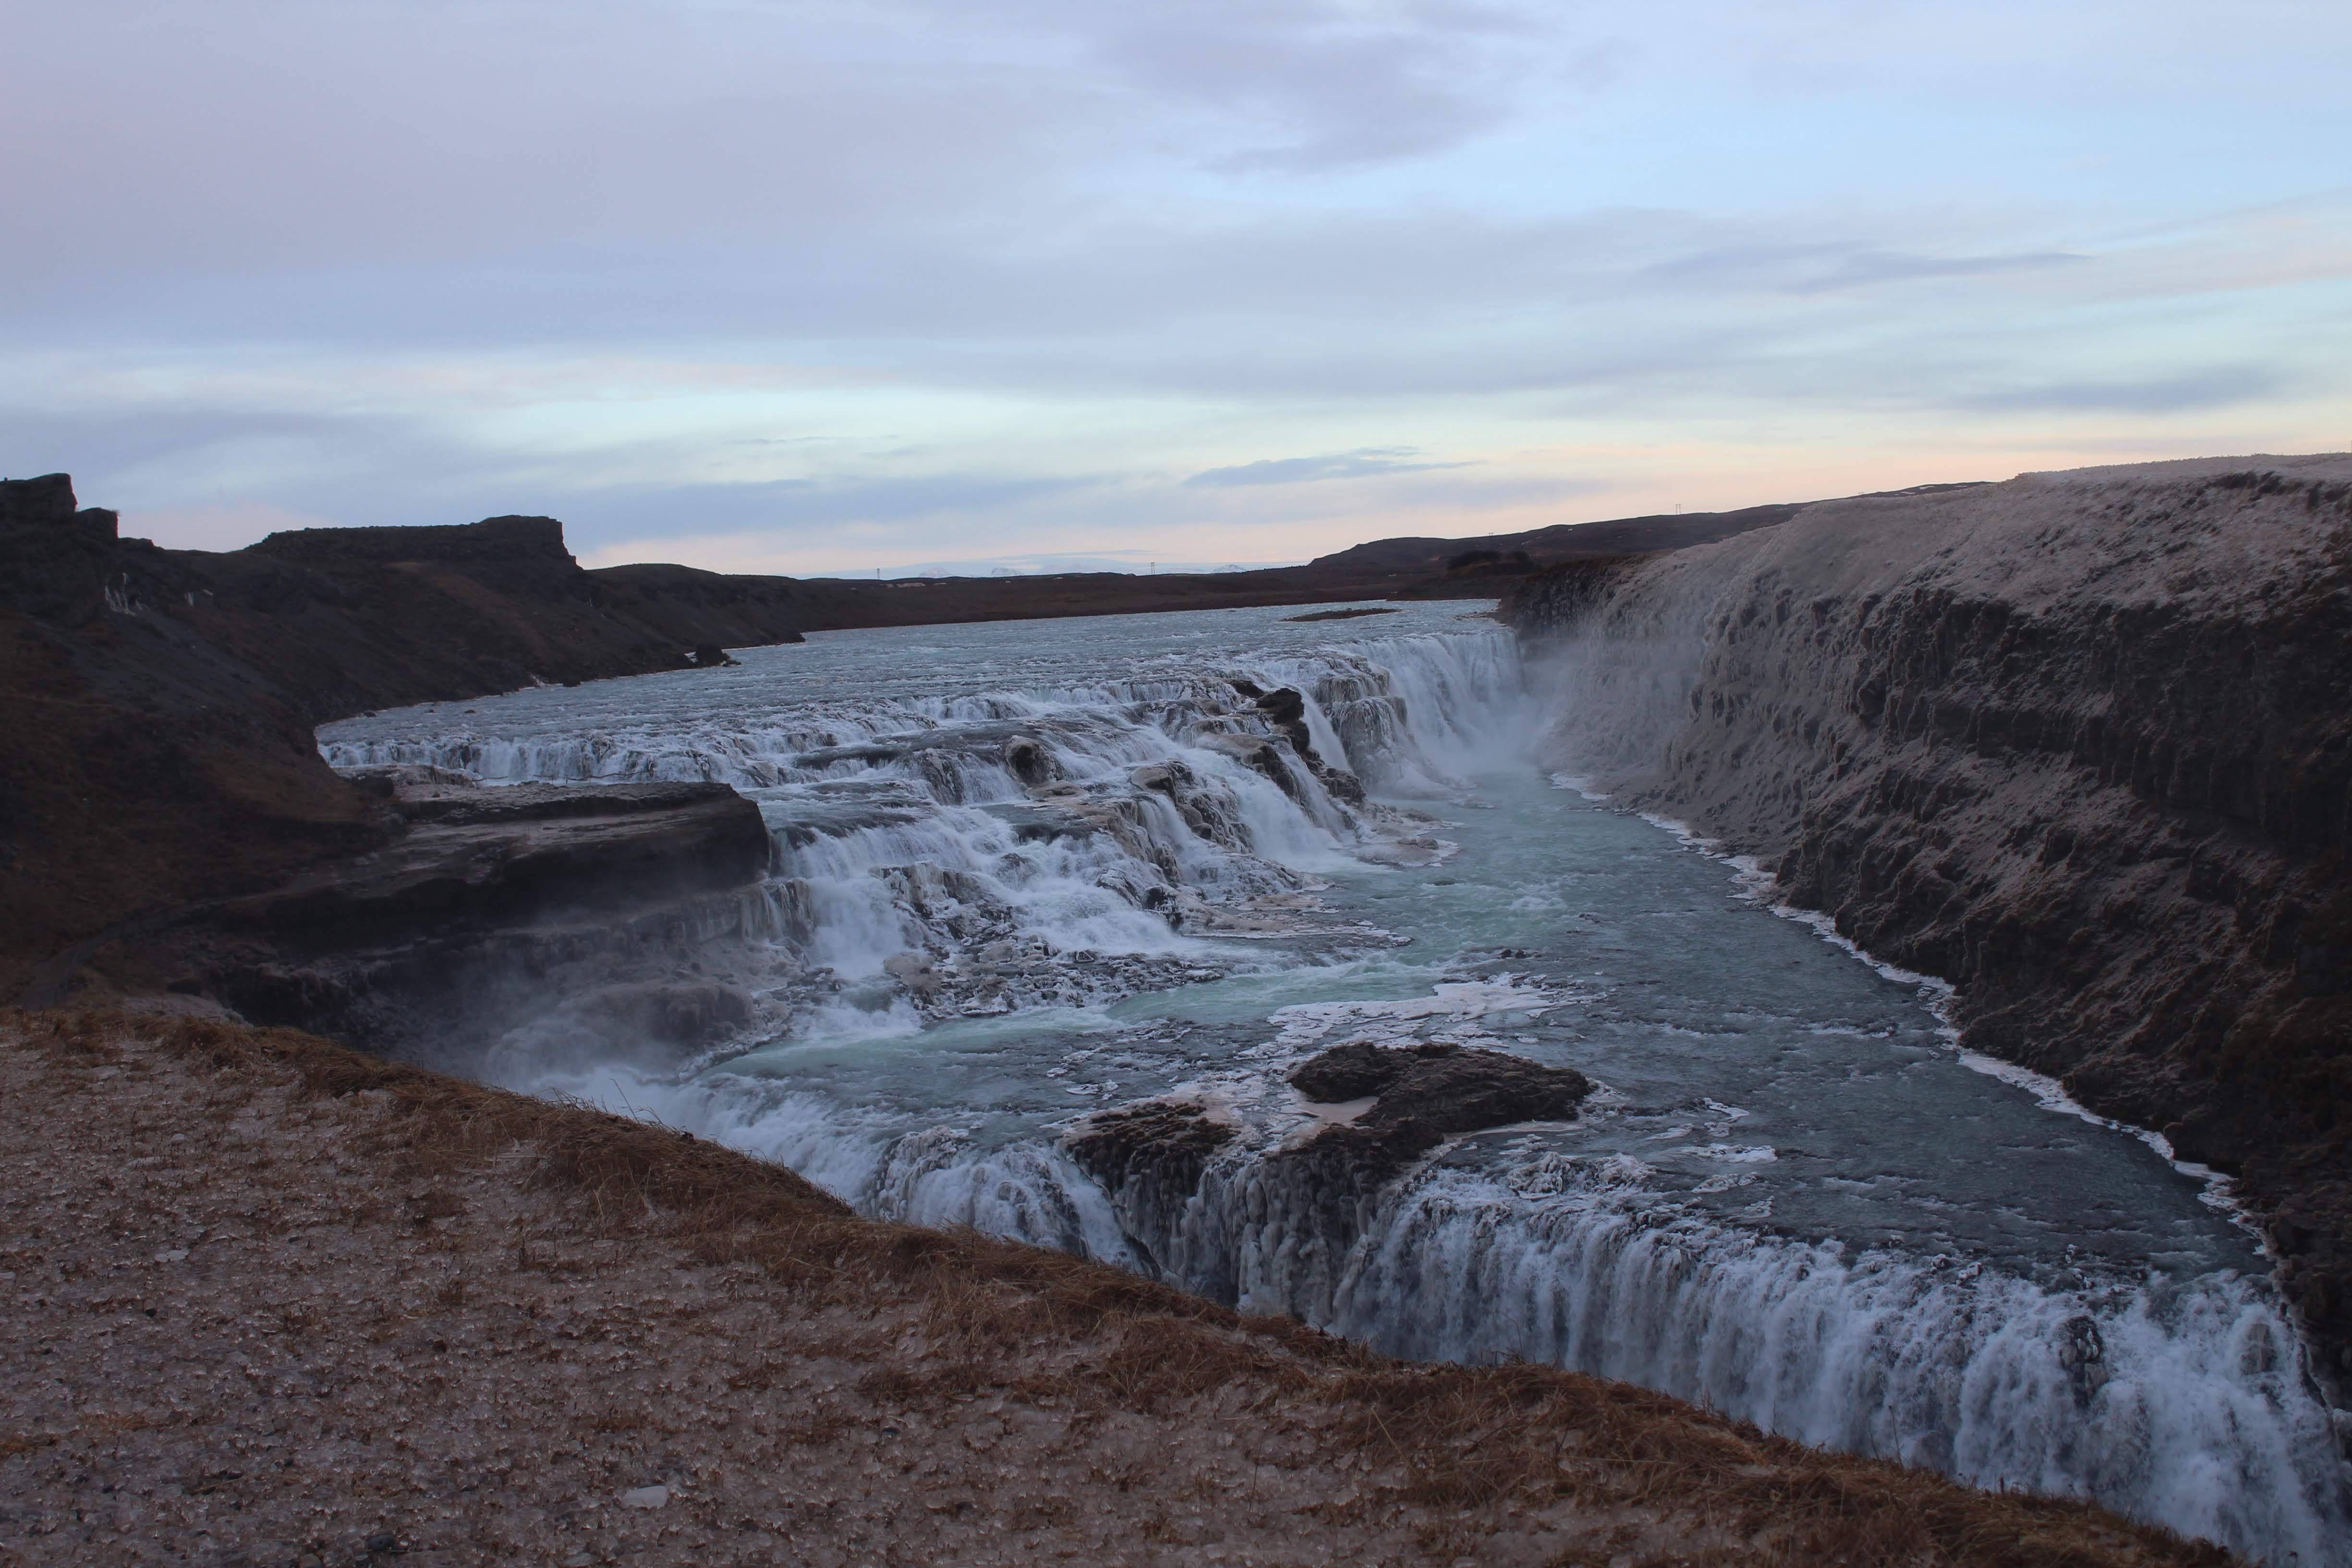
142 766
157 706
2080 743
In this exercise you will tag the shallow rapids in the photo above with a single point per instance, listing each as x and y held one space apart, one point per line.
1026 871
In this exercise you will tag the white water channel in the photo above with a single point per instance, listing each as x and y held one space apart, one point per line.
1029 870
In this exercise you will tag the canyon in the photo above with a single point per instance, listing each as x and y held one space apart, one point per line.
2080 744
2073 747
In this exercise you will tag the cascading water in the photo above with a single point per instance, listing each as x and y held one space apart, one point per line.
1027 872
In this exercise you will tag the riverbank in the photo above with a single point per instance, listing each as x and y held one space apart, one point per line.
283 1300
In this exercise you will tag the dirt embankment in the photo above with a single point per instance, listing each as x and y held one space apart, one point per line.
2079 744
276 1302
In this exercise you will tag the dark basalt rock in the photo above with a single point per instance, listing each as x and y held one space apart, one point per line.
1354 1071
1028 760
1284 707
1149 1157
344 619
1312 1200
1166 1142
476 858
56 558
1153 1159
521 555
45 502
516 929
1285 710
1421 1095
1257 753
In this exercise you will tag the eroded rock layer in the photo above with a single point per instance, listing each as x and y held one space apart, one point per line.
2080 743
544 923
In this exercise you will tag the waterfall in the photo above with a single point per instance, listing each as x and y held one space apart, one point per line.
942 845
1019 857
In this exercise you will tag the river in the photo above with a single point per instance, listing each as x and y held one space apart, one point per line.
1027 871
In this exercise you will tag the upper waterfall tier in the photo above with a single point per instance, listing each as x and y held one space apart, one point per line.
942 828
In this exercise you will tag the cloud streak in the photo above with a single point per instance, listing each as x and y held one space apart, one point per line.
1363 463
2196 392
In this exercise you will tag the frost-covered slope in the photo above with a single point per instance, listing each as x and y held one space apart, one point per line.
2081 742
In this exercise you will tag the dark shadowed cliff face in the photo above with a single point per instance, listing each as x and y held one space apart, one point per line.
156 706
353 618
140 766
2080 743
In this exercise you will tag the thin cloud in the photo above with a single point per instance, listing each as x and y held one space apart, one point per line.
873 504
1825 268
1363 463
1307 86
1864 268
2193 394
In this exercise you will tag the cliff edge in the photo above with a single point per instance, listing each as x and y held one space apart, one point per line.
2080 743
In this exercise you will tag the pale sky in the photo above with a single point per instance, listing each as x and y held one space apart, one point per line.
815 287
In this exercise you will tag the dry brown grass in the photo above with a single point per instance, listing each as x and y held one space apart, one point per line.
1470 1444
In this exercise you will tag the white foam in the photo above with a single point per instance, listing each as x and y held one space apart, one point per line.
2190 1413
882 810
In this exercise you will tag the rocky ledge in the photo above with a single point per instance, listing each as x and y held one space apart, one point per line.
483 858
530 918
1407 1102
1383 1109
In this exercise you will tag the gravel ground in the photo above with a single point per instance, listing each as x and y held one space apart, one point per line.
251 1322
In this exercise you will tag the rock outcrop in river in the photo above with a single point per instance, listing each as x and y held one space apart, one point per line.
2080 743
1382 1109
